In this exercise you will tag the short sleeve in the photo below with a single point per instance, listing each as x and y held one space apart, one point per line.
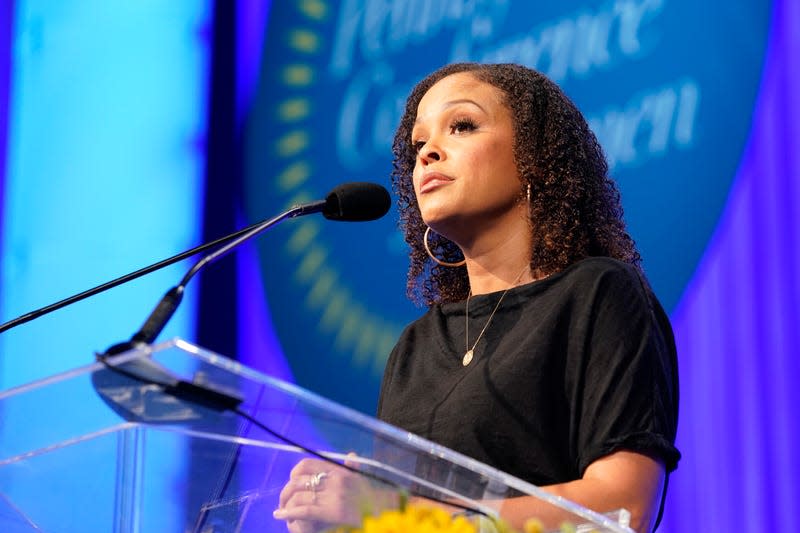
629 398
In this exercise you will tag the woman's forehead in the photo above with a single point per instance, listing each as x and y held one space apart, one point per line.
462 87
463 82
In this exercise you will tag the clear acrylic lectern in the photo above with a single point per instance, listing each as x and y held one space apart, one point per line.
135 459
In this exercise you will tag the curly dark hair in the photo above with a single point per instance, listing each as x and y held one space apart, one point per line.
575 207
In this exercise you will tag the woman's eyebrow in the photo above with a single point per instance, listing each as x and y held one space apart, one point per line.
451 103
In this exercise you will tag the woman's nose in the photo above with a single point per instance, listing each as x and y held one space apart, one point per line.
430 152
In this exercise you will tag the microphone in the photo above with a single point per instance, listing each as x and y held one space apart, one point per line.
356 202
349 202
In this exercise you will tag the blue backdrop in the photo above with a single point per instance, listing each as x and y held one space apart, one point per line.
695 105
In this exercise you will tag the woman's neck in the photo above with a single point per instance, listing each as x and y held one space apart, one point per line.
497 262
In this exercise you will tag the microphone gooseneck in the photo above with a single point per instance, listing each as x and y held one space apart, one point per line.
350 202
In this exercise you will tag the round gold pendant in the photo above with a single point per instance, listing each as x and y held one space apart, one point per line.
467 358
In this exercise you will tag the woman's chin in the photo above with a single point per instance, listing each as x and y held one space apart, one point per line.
441 223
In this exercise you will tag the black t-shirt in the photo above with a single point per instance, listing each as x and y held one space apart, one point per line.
571 368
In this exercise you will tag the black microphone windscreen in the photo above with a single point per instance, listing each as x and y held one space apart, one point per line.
357 202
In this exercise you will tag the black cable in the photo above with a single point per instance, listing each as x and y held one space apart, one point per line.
370 475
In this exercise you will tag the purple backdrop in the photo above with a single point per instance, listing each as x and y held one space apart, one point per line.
737 327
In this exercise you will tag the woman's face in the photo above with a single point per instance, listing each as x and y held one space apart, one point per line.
465 176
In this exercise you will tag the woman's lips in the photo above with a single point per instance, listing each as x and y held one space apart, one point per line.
432 181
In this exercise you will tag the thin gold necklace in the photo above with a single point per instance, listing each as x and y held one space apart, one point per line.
471 351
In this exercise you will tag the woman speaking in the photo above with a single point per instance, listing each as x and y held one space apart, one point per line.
543 352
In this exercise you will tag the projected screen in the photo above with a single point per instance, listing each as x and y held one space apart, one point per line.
663 84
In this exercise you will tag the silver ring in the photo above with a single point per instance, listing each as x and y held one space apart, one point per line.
315 481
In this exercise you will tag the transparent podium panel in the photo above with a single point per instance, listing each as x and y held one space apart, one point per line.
175 438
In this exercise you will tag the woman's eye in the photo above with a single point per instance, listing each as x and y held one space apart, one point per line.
418 145
462 125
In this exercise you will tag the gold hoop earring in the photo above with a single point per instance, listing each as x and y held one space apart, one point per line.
436 259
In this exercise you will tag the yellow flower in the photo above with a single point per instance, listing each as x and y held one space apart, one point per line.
417 519
533 526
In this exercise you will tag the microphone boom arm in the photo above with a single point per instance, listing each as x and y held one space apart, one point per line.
32 315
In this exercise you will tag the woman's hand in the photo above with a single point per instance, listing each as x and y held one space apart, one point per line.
320 495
